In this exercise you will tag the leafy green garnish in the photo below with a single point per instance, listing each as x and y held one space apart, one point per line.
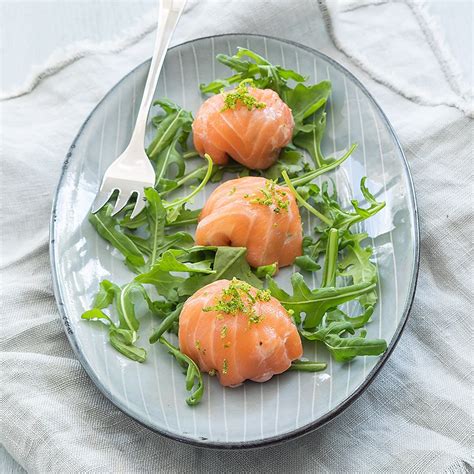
172 130
290 160
305 262
250 65
124 334
310 136
169 262
303 202
156 215
166 324
357 265
307 366
344 219
336 336
185 217
323 320
315 303
107 228
193 374
312 175
177 203
344 349
304 101
229 262
265 270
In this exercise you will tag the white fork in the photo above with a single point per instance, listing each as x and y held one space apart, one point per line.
132 171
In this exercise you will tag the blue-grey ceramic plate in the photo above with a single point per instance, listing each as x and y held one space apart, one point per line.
153 393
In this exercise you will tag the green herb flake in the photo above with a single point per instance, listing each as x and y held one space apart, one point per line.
223 332
271 195
254 318
241 94
238 298
225 367
263 295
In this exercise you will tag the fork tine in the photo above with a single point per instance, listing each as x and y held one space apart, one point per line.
139 206
121 202
101 200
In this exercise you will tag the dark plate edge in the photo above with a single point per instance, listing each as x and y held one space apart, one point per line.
370 376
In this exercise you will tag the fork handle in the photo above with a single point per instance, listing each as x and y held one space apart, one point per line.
170 12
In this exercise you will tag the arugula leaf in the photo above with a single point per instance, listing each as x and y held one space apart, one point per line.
308 191
303 202
156 242
166 324
169 157
182 200
305 262
108 229
264 74
265 270
173 126
229 262
315 303
103 299
166 284
357 265
310 137
290 160
312 175
323 331
185 217
121 343
356 322
346 348
177 240
168 185
123 335
307 366
341 219
156 215
126 309
334 329
105 296
193 374
314 248
330 262
169 262
304 101
197 253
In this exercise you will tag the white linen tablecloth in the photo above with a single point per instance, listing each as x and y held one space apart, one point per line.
415 417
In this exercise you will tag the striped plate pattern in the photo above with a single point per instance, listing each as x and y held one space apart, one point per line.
153 392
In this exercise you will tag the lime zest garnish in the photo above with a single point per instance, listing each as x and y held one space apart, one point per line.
242 95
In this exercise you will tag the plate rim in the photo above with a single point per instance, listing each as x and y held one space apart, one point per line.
330 415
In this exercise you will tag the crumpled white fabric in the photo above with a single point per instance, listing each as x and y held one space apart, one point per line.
415 417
